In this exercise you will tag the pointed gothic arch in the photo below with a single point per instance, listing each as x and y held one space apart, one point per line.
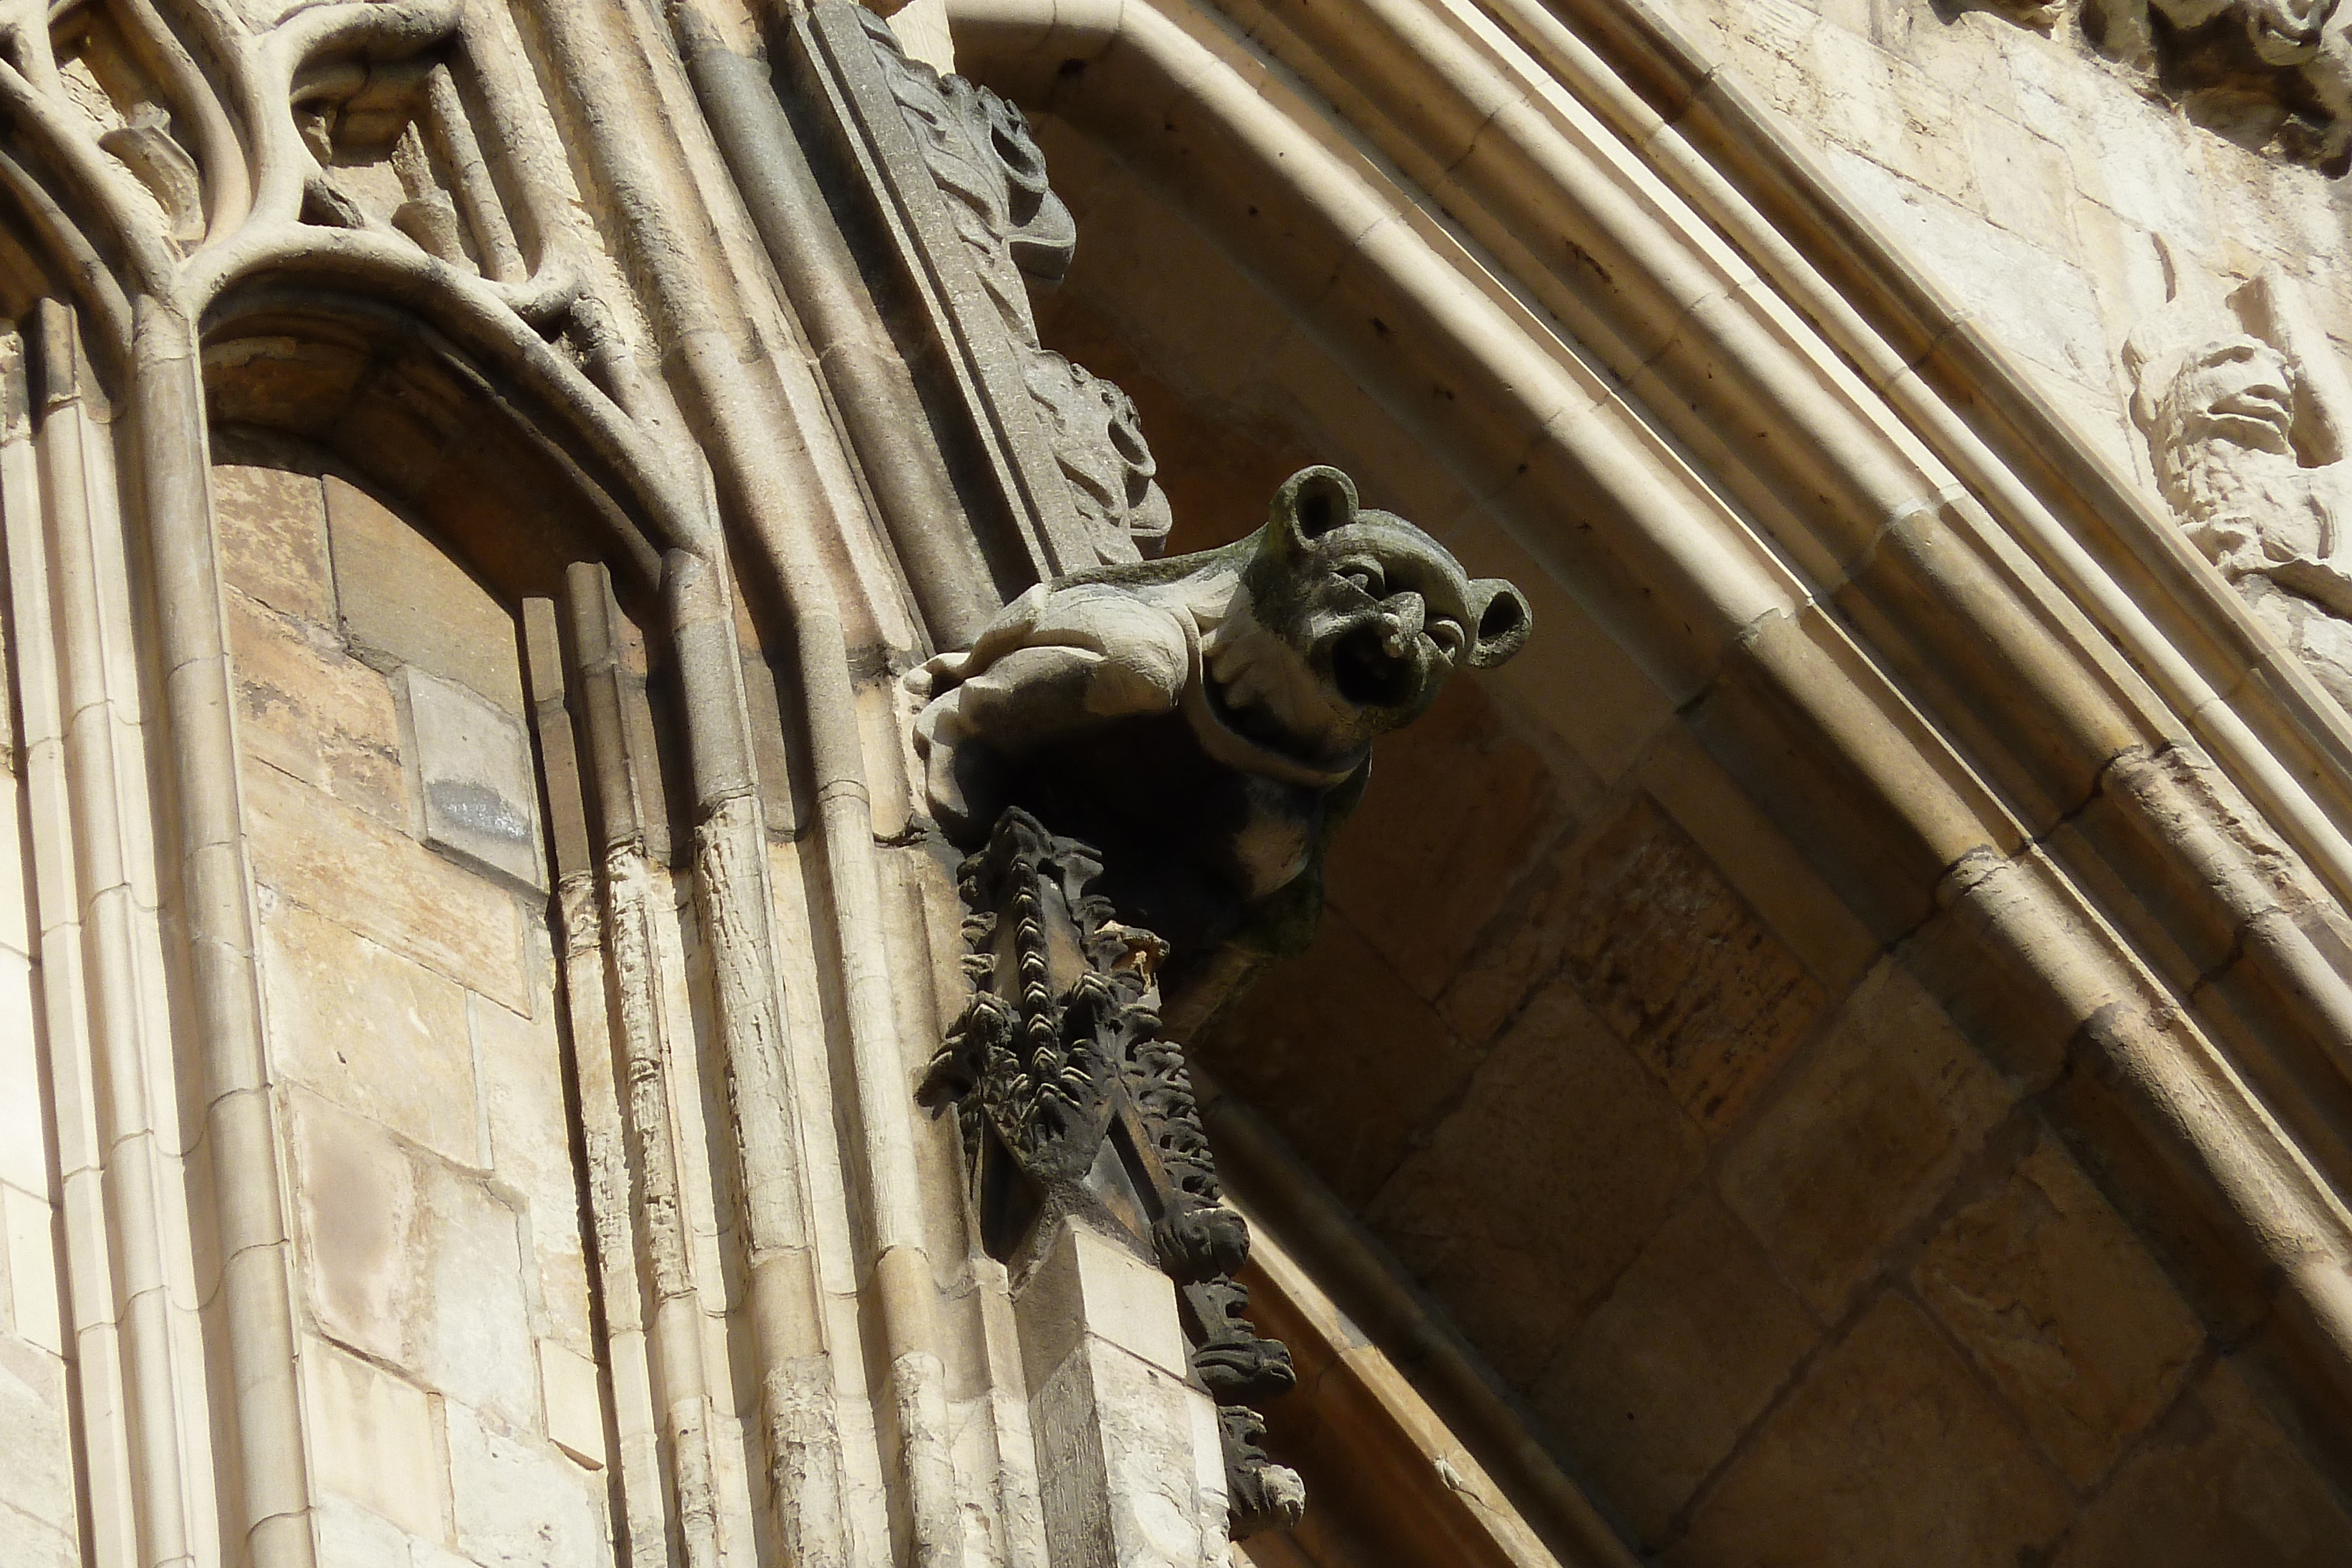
1663 365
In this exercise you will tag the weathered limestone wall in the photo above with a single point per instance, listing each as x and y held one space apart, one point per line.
1784 1268
2031 175
37 1494
447 1365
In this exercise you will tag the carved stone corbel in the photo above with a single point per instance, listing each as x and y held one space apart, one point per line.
1071 1107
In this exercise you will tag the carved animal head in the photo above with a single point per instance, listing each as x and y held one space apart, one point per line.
1370 616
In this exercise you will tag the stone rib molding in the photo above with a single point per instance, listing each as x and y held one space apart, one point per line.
770 483
673 1320
2189 638
1834 621
121 1151
870 384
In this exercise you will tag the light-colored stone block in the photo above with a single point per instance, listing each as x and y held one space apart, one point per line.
475 1344
272 527
414 1264
1089 1285
519 1502
373 1440
28 1542
306 707
1117 1461
2061 1305
383 884
568 1386
521 1066
470 770
28 1225
2036 303
355 1189
15 877
23 1119
374 1031
349 1536
38 1480
403 596
2025 179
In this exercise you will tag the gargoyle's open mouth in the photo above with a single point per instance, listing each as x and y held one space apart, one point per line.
1366 672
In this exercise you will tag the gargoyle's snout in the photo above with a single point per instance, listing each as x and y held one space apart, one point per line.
1405 614
1382 661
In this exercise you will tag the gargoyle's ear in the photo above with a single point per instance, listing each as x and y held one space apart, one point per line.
1503 621
1313 502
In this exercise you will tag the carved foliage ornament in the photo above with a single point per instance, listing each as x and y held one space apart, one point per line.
1149 761
989 168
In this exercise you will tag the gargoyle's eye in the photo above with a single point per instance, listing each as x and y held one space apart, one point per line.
1367 578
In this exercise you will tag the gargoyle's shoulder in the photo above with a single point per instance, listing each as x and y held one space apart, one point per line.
1147 577
1201 580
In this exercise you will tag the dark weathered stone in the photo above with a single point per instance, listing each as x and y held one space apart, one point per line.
972 217
1071 1107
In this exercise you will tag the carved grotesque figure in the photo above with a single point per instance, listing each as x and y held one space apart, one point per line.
1205 720
2221 421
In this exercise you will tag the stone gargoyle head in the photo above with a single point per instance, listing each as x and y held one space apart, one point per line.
1205 720
1347 623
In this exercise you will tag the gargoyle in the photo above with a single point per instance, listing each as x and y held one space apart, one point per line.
1205 721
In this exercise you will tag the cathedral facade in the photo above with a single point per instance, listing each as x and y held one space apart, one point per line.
1055 783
